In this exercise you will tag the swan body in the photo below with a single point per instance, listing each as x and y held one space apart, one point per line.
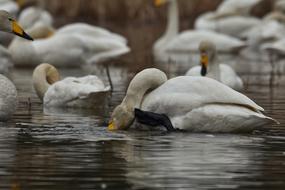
6 61
225 74
33 15
8 98
89 30
241 7
232 25
277 47
267 31
189 41
172 42
196 104
72 50
81 92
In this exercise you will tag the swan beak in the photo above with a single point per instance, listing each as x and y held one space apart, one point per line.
159 3
16 29
112 126
204 63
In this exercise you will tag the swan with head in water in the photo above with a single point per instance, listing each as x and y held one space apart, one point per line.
174 43
82 92
8 92
210 67
196 104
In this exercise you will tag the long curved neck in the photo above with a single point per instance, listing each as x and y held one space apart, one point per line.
43 76
145 81
172 26
173 20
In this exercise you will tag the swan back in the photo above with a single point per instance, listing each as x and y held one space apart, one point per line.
183 94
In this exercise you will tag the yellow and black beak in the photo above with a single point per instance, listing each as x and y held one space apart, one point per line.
204 60
112 127
16 29
159 3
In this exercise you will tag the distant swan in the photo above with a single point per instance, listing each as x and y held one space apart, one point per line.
210 67
71 49
84 92
196 104
188 41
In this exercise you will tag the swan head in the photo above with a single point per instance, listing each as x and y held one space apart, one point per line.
10 25
44 75
207 54
122 118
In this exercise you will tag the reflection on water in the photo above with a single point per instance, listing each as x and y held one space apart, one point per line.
71 149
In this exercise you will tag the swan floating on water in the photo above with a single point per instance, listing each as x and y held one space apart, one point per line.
173 43
72 49
210 67
197 104
8 92
84 92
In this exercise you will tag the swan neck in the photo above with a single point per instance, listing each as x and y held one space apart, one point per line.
142 84
43 77
173 20
214 70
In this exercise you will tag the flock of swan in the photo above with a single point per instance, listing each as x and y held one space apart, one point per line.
206 99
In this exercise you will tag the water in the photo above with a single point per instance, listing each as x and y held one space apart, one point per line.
71 149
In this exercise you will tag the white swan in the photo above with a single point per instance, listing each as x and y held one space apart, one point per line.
241 7
8 92
90 30
10 6
65 50
6 61
188 41
229 25
34 15
266 32
210 67
196 104
82 92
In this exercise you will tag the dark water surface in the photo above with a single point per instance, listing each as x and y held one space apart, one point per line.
71 149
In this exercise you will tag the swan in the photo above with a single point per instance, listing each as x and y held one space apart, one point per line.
196 104
188 41
65 49
81 92
9 6
8 92
211 68
267 31
89 30
6 61
231 25
241 7
34 15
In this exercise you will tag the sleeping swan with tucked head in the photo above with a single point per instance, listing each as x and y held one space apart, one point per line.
84 92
